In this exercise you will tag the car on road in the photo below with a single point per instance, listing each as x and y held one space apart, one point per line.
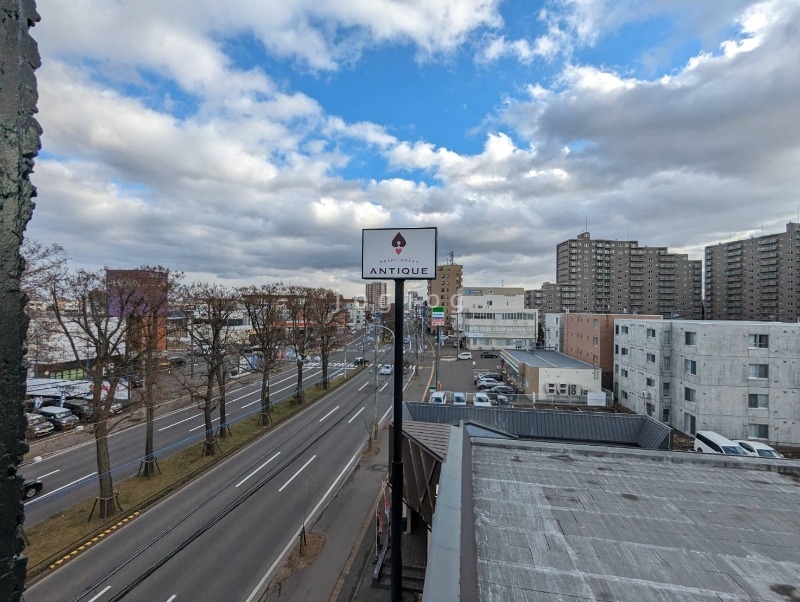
38 426
481 400
31 487
465 355
386 369
360 361
488 354
756 448
459 399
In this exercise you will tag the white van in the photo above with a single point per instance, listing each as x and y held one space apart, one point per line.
437 397
714 443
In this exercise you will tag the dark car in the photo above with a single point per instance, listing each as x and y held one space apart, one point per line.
176 362
488 354
61 418
31 488
81 408
502 390
38 426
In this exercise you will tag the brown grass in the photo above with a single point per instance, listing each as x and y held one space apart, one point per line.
54 540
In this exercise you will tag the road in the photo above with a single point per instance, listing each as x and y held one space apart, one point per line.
71 476
222 536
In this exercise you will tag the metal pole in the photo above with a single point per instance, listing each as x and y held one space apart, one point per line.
436 351
397 452
375 370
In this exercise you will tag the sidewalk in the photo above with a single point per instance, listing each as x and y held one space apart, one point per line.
343 568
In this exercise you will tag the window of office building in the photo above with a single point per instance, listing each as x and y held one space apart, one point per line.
758 400
758 431
651 382
651 358
758 371
651 333
758 341
689 394
690 338
665 389
624 351
690 366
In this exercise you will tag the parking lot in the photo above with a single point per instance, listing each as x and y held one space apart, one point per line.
458 375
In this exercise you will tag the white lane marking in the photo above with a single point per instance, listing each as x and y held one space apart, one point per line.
302 468
386 413
356 415
293 538
329 413
49 473
202 425
257 469
251 403
41 497
364 385
104 590
384 386
172 597
164 428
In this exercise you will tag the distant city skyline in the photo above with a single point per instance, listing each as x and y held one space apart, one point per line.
245 145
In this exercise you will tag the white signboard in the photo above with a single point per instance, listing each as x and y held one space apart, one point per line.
398 254
437 316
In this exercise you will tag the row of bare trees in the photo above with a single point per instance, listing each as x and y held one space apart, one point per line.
116 323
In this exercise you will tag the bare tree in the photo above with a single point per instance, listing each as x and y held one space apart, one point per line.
213 306
326 317
299 306
93 313
266 309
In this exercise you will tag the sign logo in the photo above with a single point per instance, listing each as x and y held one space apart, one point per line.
398 242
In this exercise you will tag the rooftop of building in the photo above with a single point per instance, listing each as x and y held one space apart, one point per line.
542 358
557 521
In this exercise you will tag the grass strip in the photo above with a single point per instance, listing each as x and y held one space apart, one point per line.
64 535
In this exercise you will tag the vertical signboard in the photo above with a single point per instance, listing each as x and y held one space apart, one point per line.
437 315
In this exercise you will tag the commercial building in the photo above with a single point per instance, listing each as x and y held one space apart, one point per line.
740 379
553 376
443 290
755 279
494 318
619 276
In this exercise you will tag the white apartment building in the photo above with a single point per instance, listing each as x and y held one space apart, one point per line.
494 318
740 379
554 331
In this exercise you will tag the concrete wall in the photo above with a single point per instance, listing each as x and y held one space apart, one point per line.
19 144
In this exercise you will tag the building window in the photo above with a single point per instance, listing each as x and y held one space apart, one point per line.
651 382
649 408
689 423
665 389
651 333
665 415
758 431
690 367
624 330
624 351
595 342
758 371
624 395
616 349
624 373
758 400
595 324
667 363
689 394
616 329
651 358
758 341
690 338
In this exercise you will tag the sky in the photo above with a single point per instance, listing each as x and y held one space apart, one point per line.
247 142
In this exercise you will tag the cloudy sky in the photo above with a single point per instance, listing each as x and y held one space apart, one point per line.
250 141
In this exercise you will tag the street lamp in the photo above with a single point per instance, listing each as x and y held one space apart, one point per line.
376 373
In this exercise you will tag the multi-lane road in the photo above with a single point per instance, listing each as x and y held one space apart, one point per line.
222 537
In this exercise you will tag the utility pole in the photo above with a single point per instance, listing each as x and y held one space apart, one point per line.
436 356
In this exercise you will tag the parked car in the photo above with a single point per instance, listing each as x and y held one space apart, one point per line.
385 369
82 408
488 354
459 399
437 397
711 442
61 418
493 375
177 361
31 487
502 400
756 448
502 390
38 426
465 355
487 383
481 400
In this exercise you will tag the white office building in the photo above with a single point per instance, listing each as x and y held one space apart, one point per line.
740 379
554 332
495 318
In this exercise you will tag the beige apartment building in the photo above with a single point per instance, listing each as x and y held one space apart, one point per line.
755 279
376 295
443 290
619 276
590 338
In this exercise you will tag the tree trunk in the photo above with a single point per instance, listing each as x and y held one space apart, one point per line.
149 467
106 501
208 444
266 417
299 395
325 378
222 377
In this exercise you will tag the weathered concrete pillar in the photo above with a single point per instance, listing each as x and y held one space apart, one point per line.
19 143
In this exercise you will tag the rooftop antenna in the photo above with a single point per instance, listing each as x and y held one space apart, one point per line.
450 258
587 223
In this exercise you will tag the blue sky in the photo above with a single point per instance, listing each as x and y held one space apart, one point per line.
247 144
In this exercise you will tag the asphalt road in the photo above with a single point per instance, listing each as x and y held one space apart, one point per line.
71 475
222 536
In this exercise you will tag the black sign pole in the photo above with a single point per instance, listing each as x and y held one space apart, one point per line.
397 448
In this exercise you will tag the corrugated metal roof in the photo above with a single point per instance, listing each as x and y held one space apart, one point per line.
547 359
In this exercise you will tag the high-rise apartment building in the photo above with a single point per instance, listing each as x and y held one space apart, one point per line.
443 290
376 295
619 276
755 279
